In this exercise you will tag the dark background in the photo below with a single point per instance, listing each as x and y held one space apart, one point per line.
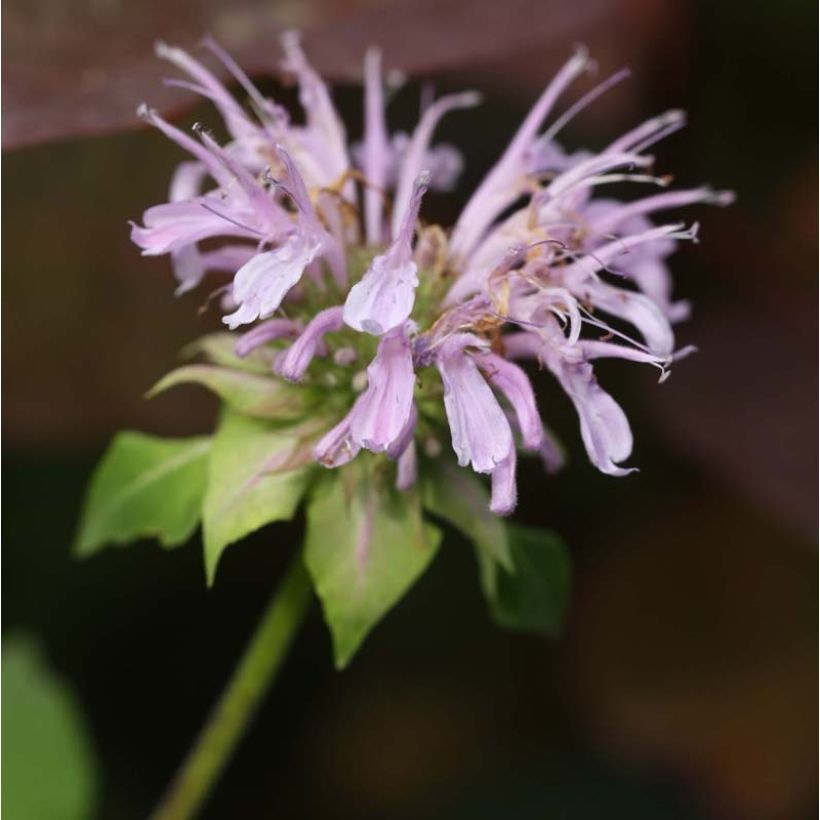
685 685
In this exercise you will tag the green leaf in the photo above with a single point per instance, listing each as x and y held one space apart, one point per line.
218 349
365 546
534 598
48 761
458 496
248 393
257 474
144 487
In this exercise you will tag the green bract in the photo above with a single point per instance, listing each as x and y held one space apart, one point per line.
248 393
525 572
534 596
218 348
145 487
365 543
256 475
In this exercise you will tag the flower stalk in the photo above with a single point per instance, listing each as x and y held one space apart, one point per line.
233 713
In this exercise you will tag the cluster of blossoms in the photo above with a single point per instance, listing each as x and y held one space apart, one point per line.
348 291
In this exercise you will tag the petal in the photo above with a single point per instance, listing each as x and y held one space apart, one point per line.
504 491
263 105
545 145
187 262
650 131
404 438
228 257
580 271
191 264
301 353
173 225
513 232
336 447
381 413
592 349
584 174
309 224
523 345
652 276
375 149
417 151
189 268
445 164
271 215
635 308
619 213
503 183
407 467
322 119
550 206
552 454
549 156
266 332
260 285
604 427
513 382
186 182
235 118
480 431
296 188
215 168
383 299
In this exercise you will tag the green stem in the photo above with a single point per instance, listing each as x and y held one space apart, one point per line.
239 701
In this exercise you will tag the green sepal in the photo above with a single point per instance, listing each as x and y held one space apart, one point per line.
366 544
257 474
144 487
254 395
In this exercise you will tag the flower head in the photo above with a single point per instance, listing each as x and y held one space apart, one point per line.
404 330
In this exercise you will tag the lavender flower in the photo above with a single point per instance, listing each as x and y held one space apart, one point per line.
304 231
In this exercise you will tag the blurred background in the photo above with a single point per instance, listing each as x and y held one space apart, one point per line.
685 686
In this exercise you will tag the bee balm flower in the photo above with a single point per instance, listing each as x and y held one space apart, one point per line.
400 331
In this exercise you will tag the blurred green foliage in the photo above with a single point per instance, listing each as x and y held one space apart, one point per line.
49 770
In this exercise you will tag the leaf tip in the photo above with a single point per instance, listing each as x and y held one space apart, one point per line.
81 547
157 388
343 655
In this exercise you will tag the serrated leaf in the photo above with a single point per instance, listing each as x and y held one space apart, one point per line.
248 393
143 487
366 544
458 496
257 474
534 598
48 761
218 349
